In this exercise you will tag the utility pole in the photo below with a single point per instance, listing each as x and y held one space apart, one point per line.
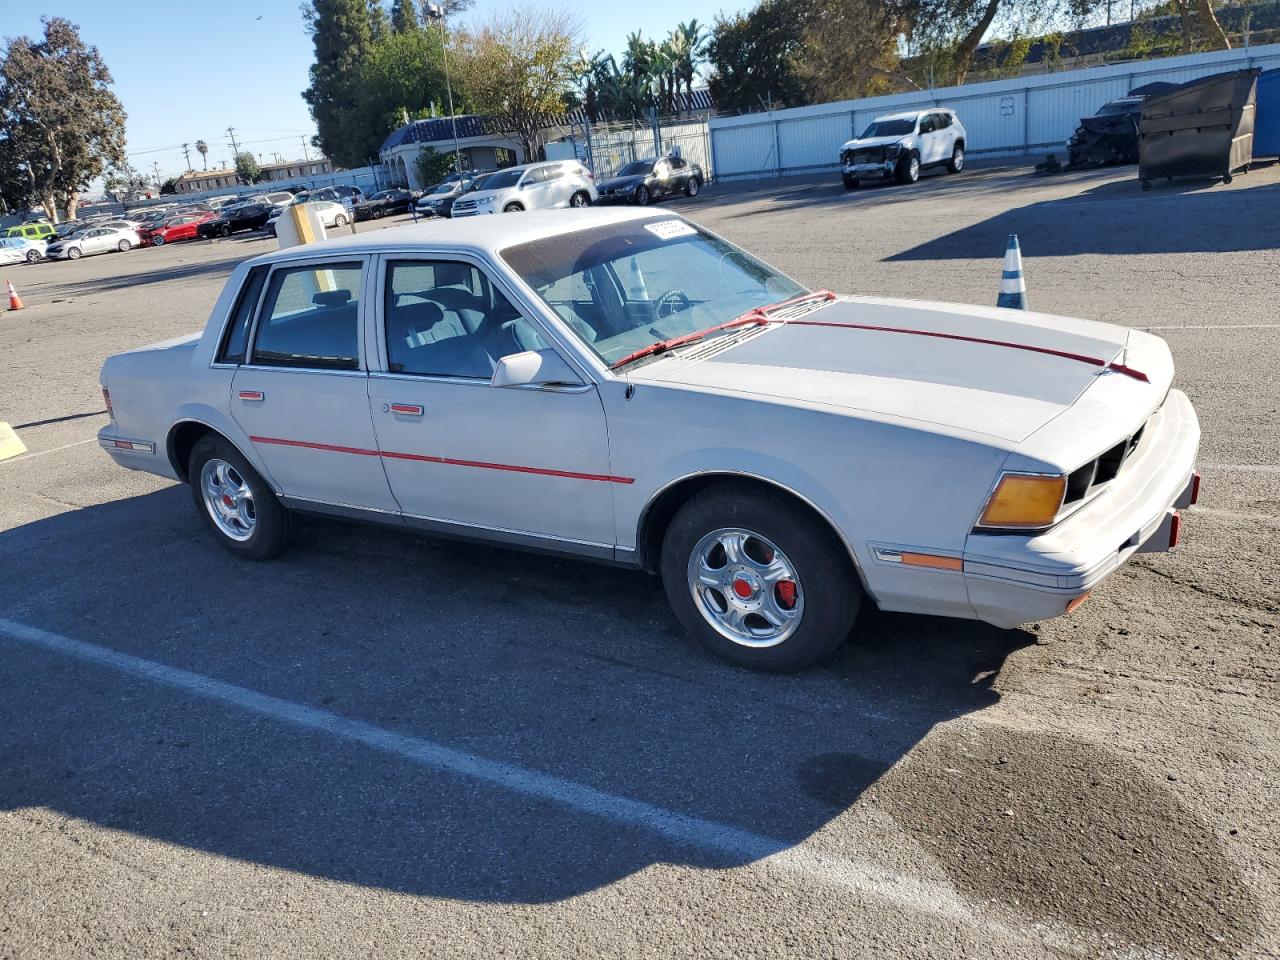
186 153
436 12
235 149
305 156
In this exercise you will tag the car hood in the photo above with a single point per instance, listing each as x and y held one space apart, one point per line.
873 142
615 183
976 370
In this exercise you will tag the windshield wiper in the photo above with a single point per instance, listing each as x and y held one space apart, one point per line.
754 316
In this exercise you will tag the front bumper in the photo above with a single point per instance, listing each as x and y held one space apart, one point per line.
1013 579
870 171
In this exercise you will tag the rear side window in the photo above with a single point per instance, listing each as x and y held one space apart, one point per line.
310 317
235 341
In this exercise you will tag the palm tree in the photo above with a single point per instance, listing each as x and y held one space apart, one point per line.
693 46
202 148
638 57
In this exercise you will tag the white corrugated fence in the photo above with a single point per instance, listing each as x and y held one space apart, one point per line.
1014 117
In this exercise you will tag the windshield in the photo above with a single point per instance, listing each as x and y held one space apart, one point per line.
626 286
503 179
637 168
888 128
479 183
1119 106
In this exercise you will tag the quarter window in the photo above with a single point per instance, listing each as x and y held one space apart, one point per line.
310 318
236 340
445 319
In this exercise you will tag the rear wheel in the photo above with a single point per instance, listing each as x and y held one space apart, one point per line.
692 187
245 516
33 256
123 246
580 199
758 579
340 220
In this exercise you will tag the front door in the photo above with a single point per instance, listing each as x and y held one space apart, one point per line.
303 397
527 464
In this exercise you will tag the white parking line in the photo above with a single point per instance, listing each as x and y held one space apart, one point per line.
1215 326
858 876
41 453
1242 467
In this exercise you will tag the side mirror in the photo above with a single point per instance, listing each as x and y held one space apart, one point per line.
534 368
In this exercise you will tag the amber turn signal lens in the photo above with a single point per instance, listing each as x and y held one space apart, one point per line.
1024 501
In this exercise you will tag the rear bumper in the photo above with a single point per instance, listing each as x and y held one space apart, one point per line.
1018 579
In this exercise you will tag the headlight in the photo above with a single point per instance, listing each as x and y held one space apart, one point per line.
1024 501
893 149
484 201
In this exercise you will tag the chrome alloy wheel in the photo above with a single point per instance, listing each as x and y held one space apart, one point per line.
745 587
229 499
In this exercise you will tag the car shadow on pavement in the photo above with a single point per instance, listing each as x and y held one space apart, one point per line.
575 671
1116 217
180 271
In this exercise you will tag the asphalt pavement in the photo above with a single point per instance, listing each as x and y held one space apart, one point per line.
383 745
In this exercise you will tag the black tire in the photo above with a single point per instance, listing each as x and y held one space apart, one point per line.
1227 178
908 169
580 199
224 231
850 183
1146 184
157 241
692 186
513 208
643 196
831 591
74 253
376 214
274 522
123 246
33 256
956 163
340 220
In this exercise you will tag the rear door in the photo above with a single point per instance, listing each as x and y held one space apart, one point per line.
301 392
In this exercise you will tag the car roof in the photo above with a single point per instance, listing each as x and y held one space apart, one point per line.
485 235
912 114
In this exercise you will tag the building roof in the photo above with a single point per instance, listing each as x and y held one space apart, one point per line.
198 174
436 129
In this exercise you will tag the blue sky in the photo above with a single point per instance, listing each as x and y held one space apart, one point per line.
186 71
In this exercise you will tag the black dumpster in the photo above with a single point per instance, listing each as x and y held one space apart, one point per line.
1203 128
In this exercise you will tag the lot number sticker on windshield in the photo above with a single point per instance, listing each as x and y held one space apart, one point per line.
670 229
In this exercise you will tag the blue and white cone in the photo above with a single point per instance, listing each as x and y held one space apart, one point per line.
1013 291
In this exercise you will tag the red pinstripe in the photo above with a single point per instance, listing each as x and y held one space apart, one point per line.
449 461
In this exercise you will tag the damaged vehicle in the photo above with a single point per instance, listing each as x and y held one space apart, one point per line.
1108 137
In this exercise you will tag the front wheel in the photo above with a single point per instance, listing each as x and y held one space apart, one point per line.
850 183
692 187
758 579
245 516
74 253
643 196
957 160
909 169
376 214
157 241
513 208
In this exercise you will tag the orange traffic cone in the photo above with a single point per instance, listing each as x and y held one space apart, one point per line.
15 301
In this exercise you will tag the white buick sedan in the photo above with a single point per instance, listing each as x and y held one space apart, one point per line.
624 386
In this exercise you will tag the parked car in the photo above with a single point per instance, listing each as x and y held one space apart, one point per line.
237 218
644 180
382 204
91 241
20 249
347 196
580 385
185 227
900 145
437 201
331 214
1110 136
534 186
32 231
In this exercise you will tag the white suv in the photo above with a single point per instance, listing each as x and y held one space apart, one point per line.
534 186
902 144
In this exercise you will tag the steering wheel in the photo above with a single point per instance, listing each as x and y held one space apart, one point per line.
673 301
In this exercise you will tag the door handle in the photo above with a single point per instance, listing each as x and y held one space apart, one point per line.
407 409
253 395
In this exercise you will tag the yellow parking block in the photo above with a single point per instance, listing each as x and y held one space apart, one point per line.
10 445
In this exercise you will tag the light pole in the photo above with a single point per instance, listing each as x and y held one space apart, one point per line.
436 12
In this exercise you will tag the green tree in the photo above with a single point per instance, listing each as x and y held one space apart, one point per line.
691 49
60 124
342 36
169 186
379 25
754 57
122 183
518 68
403 75
404 18
247 168
202 148
432 166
